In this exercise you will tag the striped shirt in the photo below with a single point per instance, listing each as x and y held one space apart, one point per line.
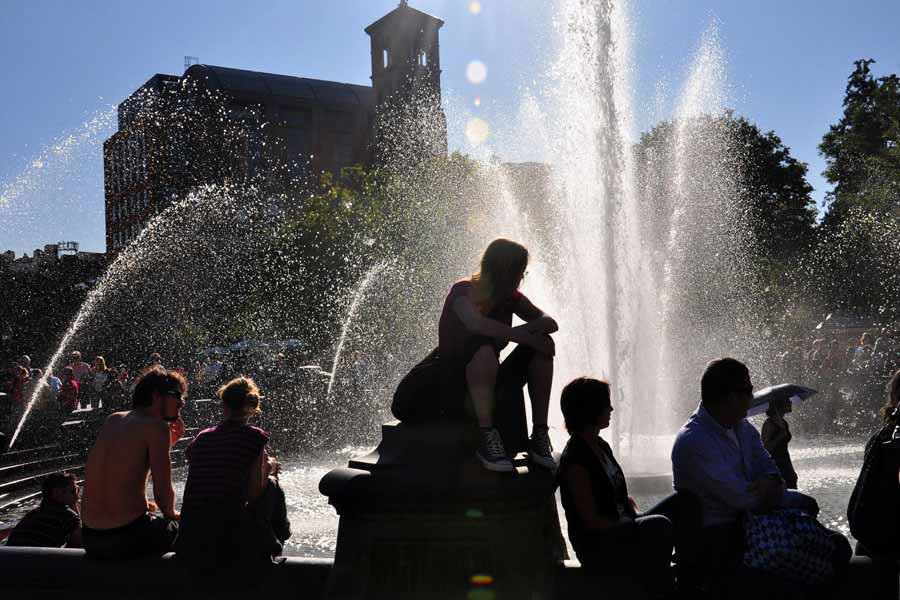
219 462
47 526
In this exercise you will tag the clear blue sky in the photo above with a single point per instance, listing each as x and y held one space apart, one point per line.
64 62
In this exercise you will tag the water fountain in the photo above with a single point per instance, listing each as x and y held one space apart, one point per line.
619 272
352 312
594 207
597 278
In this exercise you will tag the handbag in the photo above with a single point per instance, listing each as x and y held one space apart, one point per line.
872 510
790 544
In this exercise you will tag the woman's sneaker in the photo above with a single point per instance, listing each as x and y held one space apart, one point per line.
540 449
491 452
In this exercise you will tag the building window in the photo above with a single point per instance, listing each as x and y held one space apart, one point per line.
423 59
385 58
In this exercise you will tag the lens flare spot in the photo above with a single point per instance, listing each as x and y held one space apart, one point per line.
477 101
481 579
475 7
477 131
476 72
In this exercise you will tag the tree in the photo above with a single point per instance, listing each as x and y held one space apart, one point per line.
862 150
781 208
854 265
771 183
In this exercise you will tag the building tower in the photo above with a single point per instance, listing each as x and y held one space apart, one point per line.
406 79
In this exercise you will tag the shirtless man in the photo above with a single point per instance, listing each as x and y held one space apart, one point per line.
133 445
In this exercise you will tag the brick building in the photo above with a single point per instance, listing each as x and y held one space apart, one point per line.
213 124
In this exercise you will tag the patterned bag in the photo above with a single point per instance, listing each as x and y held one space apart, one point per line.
789 544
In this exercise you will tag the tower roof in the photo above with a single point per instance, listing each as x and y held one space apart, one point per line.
404 13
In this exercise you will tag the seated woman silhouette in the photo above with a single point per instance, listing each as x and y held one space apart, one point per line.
606 531
475 325
226 472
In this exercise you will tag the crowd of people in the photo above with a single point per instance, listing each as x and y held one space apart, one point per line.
850 374
731 495
78 384
81 385
75 385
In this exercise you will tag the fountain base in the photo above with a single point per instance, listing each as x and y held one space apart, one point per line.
421 518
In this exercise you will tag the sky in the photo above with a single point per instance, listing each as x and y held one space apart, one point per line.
64 65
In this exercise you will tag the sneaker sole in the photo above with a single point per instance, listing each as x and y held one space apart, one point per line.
492 466
543 461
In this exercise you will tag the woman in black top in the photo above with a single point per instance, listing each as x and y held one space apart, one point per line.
605 529
776 435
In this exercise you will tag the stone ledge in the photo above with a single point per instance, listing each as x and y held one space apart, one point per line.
50 572
68 573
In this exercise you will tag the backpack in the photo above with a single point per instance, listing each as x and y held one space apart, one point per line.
872 510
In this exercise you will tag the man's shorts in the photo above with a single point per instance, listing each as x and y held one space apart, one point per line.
148 535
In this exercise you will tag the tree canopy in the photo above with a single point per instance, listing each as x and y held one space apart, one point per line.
770 181
862 150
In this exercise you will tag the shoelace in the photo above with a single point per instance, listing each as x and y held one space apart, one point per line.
494 445
541 441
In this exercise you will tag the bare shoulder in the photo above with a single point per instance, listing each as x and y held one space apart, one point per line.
463 287
155 427
147 426
113 421
116 416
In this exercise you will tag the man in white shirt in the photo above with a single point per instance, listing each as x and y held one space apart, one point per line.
719 457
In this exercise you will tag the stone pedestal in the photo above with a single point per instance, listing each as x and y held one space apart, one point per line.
421 518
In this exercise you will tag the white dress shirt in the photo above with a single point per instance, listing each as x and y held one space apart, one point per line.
718 465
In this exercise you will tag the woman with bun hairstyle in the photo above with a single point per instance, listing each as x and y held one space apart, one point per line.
226 473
